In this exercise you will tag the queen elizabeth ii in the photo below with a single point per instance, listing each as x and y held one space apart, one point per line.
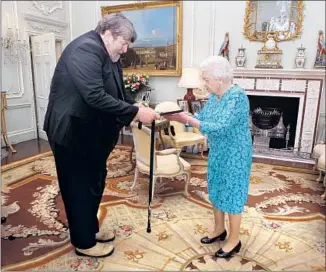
225 121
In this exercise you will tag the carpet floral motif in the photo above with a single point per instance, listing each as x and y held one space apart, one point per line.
283 225
206 262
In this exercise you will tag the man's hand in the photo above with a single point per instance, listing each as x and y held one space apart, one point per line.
139 105
146 115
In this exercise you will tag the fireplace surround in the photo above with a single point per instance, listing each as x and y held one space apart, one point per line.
277 118
301 89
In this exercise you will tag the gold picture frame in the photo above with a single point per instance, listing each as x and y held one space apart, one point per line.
196 106
153 58
256 28
184 105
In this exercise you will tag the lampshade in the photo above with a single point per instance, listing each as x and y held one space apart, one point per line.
190 78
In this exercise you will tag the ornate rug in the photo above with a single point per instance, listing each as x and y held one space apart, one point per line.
283 225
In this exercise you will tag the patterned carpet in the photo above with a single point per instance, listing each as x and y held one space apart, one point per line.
283 225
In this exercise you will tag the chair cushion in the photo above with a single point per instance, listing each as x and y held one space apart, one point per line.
321 162
188 138
166 165
183 139
319 149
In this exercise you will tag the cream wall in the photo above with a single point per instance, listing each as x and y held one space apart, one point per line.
204 26
30 18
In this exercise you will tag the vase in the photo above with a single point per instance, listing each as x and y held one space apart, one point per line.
240 61
241 58
299 62
300 59
189 96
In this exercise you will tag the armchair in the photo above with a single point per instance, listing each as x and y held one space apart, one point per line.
177 136
322 169
167 163
319 156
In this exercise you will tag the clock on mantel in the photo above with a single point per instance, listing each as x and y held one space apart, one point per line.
270 56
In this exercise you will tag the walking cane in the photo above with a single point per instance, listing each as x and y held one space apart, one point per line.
151 173
151 167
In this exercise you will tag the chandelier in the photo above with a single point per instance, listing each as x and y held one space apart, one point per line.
15 49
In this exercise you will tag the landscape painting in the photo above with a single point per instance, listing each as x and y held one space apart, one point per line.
157 50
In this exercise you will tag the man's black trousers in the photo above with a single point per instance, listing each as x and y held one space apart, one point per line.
81 171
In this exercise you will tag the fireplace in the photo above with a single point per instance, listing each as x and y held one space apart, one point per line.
274 121
285 103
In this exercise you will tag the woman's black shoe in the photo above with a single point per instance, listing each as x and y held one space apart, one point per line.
207 240
221 254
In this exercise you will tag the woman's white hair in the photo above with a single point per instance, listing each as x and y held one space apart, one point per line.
218 66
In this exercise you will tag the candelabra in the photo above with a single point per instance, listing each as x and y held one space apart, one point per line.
14 48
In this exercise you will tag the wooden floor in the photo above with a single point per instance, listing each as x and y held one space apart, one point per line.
37 146
25 150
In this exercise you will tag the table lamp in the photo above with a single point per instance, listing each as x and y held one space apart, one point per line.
190 79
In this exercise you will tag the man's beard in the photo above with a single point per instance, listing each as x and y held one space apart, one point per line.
115 57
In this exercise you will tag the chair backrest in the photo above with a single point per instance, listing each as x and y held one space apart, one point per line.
175 126
142 143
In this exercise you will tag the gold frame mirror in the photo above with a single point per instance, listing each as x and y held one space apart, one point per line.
285 18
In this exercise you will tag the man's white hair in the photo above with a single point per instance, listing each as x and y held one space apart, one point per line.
218 66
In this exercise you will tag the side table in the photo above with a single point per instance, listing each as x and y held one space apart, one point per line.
3 122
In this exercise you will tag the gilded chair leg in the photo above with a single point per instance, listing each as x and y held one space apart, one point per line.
319 179
202 151
135 178
323 196
187 174
315 165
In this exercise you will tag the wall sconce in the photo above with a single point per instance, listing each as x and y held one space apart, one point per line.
14 48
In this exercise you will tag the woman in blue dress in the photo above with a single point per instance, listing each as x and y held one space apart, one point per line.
225 121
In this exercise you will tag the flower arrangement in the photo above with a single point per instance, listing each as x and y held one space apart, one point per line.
135 82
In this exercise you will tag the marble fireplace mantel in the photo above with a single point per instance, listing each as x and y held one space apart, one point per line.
305 84
293 73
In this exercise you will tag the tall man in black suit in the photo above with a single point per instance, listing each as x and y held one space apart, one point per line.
87 108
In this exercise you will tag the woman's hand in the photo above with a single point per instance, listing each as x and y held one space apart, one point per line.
179 117
183 118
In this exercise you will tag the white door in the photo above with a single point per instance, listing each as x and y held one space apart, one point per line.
44 62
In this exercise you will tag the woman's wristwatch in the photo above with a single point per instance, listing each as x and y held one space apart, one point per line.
187 123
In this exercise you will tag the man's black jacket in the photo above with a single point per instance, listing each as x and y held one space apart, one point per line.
87 100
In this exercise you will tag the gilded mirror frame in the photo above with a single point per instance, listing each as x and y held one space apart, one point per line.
139 6
253 34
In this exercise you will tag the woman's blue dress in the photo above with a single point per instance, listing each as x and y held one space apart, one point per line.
225 122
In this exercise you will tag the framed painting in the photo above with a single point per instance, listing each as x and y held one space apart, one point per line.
203 102
196 106
158 48
183 104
